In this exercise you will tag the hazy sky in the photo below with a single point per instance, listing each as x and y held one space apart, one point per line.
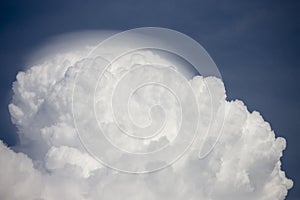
254 44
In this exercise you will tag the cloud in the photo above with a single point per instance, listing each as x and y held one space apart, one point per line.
52 163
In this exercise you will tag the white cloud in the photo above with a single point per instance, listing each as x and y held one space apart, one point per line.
19 179
245 163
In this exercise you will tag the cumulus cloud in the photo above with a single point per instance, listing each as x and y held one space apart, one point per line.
51 163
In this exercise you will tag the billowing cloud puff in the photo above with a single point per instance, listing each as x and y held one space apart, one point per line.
52 162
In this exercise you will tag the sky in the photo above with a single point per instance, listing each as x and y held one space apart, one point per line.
254 44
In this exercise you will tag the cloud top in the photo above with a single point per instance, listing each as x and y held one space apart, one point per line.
52 163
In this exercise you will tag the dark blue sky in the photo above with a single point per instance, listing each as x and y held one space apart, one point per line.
254 43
